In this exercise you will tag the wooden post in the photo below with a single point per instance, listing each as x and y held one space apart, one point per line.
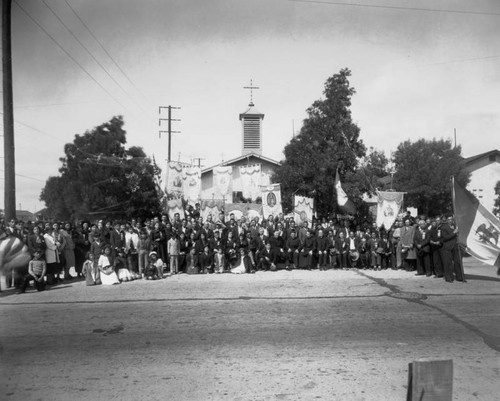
430 381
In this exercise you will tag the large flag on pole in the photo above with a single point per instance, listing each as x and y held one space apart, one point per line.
478 229
271 200
303 209
388 206
345 204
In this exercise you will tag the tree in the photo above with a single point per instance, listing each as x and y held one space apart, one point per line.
327 140
424 170
496 205
99 176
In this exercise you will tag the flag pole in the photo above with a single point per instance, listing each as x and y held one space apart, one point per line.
459 251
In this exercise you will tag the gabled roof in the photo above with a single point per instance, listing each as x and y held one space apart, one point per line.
472 159
242 157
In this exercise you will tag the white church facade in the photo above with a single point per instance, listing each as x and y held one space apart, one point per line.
251 157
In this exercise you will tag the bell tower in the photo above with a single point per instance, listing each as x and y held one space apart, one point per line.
251 126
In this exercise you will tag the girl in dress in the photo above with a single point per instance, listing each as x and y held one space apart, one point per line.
106 267
243 264
154 269
121 267
90 270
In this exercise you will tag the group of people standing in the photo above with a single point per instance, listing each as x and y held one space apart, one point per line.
111 252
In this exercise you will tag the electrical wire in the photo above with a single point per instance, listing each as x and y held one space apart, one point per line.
69 55
418 9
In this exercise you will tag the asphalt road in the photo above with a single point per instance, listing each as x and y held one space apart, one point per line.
334 335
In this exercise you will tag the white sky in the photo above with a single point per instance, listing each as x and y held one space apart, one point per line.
417 73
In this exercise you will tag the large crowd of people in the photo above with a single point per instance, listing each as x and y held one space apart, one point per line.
109 252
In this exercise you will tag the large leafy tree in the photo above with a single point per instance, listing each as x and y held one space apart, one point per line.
327 140
424 169
99 176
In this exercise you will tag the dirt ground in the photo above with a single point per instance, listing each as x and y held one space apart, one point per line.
300 335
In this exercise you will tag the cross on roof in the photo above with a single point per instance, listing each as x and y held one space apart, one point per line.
251 87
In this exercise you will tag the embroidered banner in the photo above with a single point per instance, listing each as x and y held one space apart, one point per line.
250 181
389 204
223 179
303 209
175 206
211 207
271 200
248 210
174 178
191 184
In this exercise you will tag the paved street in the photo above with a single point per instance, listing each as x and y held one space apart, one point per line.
334 335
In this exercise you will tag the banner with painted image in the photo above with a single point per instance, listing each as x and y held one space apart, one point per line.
388 207
175 206
191 184
211 207
174 178
303 209
247 210
250 176
271 200
223 180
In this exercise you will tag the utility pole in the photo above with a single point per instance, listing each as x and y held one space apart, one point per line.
169 119
8 114
199 160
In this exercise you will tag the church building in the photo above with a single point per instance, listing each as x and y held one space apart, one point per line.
250 159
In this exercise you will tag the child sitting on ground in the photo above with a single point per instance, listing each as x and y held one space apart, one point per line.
121 267
90 270
106 267
36 272
154 268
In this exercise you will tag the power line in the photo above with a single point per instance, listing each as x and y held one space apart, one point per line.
25 176
90 54
466 59
68 54
105 51
37 130
436 10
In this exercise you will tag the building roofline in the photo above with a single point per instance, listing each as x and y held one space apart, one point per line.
236 159
471 159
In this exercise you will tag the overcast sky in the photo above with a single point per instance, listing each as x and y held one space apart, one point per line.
418 73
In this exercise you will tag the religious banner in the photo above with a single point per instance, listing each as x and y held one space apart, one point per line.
478 228
211 207
159 186
250 181
174 178
223 179
191 184
303 209
175 206
345 204
388 207
271 200
248 210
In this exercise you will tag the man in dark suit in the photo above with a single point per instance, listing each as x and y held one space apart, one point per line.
421 242
449 252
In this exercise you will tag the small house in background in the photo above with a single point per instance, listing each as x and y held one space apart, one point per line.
485 173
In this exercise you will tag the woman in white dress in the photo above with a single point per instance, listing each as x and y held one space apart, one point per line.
242 263
106 267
